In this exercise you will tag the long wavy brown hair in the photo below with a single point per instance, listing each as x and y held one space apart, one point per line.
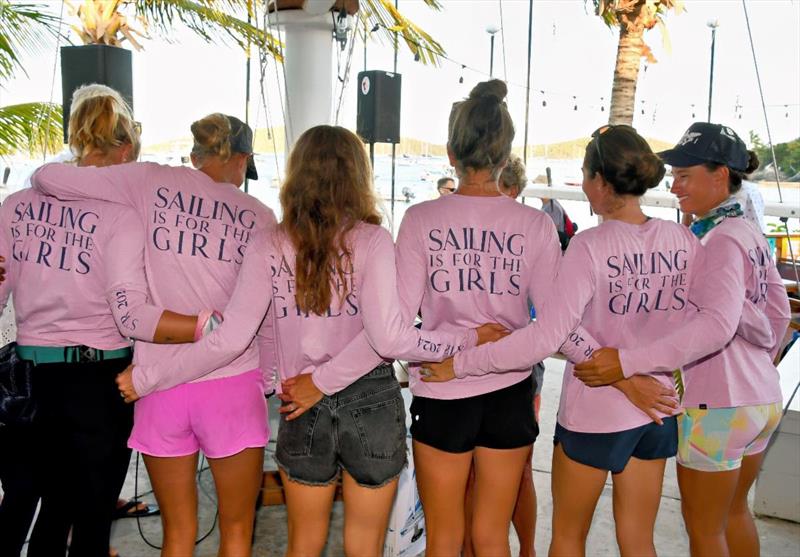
328 190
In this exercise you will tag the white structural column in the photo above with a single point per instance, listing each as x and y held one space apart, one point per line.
308 69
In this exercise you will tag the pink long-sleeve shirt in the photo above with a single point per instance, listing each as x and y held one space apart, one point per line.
197 231
464 261
364 301
626 285
76 270
725 370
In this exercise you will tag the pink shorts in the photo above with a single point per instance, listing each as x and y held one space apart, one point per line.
221 417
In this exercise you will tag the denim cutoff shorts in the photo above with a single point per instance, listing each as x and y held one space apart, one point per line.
361 429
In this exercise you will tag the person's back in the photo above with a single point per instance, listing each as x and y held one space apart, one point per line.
197 231
631 282
58 268
485 258
197 234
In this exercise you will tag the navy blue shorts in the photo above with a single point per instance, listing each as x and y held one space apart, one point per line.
612 451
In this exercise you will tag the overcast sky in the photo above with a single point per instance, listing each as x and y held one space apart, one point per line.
573 56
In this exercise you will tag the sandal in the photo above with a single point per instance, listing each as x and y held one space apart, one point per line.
133 509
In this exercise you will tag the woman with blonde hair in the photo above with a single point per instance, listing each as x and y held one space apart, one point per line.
67 262
198 225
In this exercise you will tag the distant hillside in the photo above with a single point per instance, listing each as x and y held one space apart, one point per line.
575 148
266 144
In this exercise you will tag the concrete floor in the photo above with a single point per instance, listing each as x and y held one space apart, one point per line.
778 538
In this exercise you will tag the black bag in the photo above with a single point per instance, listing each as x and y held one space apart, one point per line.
16 398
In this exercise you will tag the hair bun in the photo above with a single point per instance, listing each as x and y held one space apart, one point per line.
752 162
494 89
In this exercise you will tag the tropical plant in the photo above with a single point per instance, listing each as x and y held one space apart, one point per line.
102 23
382 16
24 29
633 17
31 128
787 154
106 22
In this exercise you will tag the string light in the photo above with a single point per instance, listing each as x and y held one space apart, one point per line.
738 112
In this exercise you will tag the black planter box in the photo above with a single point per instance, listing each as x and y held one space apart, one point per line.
94 63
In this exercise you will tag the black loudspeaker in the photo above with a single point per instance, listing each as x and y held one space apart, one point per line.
94 63
378 119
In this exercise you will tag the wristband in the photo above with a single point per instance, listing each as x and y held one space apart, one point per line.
207 321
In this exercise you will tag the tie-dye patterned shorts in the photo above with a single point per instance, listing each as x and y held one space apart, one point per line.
716 439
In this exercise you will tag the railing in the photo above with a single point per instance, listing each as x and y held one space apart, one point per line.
650 199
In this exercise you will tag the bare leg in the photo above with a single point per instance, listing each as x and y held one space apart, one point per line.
741 533
637 496
366 516
524 518
442 482
497 478
176 492
308 509
238 479
469 501
576 489
706 500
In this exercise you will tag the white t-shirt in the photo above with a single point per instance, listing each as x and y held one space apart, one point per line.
752 204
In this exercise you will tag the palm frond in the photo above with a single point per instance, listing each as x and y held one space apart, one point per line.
25 28
210 19
383 14
30 127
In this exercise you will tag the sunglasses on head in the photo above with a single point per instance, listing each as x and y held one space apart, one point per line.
596 137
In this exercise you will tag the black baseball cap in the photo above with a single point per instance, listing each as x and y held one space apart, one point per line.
705 142
242 142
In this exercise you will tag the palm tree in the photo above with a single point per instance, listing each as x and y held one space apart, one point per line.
26 27
633 17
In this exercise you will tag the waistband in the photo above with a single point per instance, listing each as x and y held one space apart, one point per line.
69 354
383 370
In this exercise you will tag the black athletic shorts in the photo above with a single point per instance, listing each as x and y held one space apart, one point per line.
501 419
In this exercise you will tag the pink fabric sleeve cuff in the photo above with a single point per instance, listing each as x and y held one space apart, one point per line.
458 368
627 361
138 377
471 339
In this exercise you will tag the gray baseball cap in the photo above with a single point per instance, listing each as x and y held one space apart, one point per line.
242 142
